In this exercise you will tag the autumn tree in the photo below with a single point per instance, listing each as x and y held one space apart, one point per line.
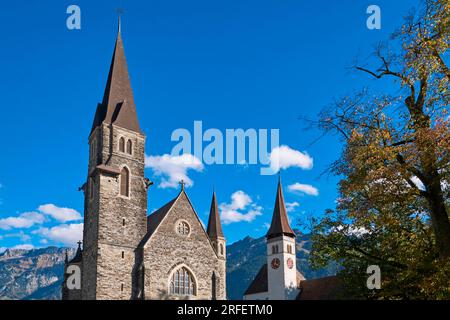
393 209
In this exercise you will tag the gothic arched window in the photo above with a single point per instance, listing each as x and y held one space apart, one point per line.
125 182
129 147
182 283
221 249
122 144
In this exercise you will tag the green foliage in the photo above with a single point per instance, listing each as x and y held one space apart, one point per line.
394 192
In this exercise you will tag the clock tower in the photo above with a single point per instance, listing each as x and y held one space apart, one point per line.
281 259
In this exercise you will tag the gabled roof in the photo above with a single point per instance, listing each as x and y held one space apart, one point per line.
280 222
214 229
327 288
118 105
260 283
154 219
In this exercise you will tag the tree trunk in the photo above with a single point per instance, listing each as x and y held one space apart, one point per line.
439 218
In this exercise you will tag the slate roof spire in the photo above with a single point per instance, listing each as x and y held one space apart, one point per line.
280 222
214 229
118 105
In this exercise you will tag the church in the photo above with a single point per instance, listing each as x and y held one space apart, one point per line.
127 254
168 254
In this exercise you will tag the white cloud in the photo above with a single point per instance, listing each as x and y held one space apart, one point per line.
24 220
26 246
418 183
68 234
173 169
2 249
241 208
60 214
356 231
290 206
284 157
304 188
21 235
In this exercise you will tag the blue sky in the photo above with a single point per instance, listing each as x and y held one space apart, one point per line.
230 64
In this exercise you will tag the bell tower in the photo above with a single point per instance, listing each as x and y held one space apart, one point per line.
281 259
115 206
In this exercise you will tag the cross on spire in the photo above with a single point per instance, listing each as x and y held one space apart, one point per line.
79 244
182 183
120 12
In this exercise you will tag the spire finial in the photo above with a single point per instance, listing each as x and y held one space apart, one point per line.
119 11
79 244
182 183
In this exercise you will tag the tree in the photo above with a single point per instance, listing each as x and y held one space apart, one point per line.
393 209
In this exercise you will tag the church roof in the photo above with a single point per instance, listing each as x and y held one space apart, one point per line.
326 288
156 217
280 222
214 229
118 105
260 283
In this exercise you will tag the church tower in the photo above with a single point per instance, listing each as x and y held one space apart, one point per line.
115 206
214 229
215 234
281 260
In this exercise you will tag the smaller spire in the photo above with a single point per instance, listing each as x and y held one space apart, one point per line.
78 255
214 229
66 259
280 222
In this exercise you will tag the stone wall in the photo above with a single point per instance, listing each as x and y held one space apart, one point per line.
167 250
117 224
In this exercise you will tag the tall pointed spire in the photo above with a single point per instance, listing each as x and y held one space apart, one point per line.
280 222
118 105
214 229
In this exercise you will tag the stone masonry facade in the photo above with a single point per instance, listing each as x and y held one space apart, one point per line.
127 254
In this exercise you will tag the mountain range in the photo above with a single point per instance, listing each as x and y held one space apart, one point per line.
37 274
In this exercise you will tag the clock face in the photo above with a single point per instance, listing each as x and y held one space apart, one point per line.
275 263
290 263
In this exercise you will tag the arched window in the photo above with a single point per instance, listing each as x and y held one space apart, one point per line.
122 144
274 249
124 182
182 283
129 147
221 249
214 286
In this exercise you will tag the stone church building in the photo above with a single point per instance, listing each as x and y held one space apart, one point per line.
126 253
